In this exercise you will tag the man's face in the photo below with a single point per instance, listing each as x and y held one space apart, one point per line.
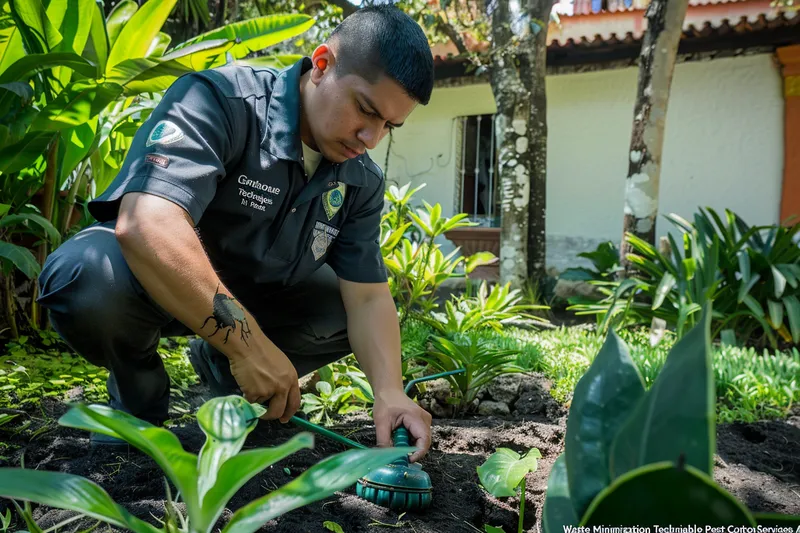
348 115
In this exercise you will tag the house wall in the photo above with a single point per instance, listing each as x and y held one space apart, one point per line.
723 147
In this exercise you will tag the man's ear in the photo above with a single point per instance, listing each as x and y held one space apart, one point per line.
323 60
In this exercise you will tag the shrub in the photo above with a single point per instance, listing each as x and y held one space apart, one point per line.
752 274
71 102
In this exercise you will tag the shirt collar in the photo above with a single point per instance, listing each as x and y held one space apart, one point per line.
282 136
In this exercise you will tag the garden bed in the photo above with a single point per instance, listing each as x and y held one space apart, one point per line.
759 463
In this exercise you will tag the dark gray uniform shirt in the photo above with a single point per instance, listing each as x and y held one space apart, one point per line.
224 144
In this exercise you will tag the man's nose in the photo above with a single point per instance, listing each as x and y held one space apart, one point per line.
370 136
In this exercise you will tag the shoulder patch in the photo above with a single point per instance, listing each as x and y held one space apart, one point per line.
165 132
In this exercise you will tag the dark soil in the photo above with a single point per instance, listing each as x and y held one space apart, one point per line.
759 463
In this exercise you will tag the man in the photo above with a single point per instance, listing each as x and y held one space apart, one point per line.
247 212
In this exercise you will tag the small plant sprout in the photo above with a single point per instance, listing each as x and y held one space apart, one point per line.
503 473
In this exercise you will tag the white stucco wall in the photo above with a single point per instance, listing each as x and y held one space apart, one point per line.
723 147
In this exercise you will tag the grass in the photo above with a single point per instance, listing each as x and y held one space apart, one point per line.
751 385
31 370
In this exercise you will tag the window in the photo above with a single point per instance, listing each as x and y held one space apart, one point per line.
477 190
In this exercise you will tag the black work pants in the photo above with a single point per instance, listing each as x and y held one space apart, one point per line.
100 309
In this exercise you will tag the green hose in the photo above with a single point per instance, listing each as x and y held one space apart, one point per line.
400 433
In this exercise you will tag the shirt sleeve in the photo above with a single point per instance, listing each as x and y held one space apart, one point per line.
182 150
356 252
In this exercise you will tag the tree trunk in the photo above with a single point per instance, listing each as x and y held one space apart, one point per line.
513 159
48 211
659 50
533 75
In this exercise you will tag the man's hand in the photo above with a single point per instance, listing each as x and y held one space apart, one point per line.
393 409
267 376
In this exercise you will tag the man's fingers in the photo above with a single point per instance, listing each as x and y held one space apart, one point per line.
422 441
277 406
292 404
383 432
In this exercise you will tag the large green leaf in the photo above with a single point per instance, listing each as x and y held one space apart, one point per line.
604 398
504 470
74 22
320 481
138 33
238 470
34 16
27 66
161 444
200 56
159 45
23 153
257 33
13 96
118 18
226 421
792 305
97 46
775 313
11 49
79 141
146 75
778 281
24 218
558 510
676 416
666 285
68 491
21 258
661 493
78 103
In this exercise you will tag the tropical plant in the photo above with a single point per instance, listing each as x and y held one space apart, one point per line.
480 359
74 88
752 273
503 475
329 400
489 308
640 457
604 259
417 268
206 481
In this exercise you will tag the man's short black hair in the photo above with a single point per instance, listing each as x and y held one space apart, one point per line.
382 39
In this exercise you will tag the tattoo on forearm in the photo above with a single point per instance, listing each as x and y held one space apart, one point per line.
226 314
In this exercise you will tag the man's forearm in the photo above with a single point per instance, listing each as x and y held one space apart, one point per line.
173 268
374 333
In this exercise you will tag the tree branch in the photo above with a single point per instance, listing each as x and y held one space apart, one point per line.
449 30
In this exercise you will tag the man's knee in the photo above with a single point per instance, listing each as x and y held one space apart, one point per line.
88 279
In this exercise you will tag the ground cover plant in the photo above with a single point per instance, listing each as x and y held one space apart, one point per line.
639 456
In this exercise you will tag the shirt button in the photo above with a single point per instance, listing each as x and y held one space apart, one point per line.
294 209
331 183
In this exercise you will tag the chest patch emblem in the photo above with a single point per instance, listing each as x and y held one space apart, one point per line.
165 132
323 237
333 199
